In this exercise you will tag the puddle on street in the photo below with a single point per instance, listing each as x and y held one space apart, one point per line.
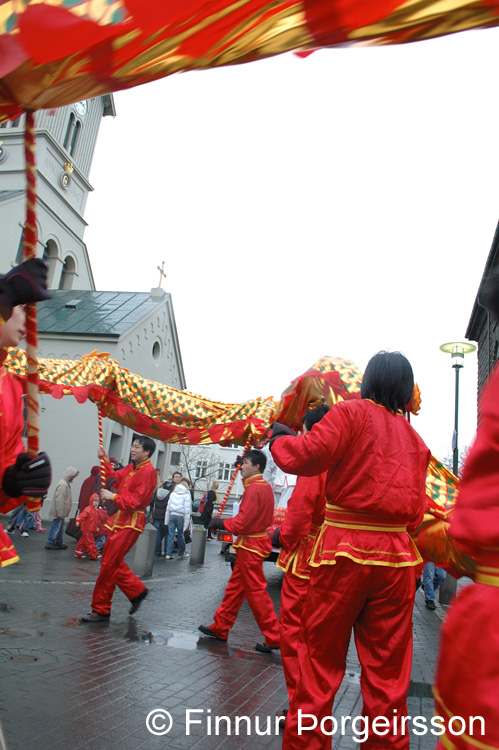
172 638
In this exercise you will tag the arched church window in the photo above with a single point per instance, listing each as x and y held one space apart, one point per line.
50 256
20 249
68 273
75 137
69 131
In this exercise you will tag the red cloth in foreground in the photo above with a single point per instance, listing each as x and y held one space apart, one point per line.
11 444
467 681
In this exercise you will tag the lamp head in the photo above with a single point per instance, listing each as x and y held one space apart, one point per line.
457 350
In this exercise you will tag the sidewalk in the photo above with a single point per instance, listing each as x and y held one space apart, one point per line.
69 685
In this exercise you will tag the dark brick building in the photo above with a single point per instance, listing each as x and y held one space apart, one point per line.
482 328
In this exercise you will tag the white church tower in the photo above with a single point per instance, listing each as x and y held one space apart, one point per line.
65 144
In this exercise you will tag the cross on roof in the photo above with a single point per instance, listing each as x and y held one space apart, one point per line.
161 274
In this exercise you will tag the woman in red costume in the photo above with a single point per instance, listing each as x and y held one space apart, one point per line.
363 559
20 474
467 679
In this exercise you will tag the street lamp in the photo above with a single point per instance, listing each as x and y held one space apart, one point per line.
457 350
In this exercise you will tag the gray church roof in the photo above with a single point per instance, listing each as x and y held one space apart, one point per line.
99 313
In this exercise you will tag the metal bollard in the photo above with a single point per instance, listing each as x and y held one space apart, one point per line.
198 544
144 552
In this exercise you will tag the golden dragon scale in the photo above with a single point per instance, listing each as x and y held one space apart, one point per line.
55 52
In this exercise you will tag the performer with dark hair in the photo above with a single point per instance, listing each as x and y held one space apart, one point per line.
467 679
363 559
253 546
296 536
23 479
126 503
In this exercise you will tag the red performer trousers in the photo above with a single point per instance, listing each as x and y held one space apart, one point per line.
247 580
377 601
467 680
293 592
86 543
115 572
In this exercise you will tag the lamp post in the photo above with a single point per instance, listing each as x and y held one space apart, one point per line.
457 350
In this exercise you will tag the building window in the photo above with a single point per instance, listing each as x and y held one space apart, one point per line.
15 123
225 471
75 137
69 130
20 249
68 273
156 352
50 256
175 459
201 468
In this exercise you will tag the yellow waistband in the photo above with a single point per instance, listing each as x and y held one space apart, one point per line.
355 519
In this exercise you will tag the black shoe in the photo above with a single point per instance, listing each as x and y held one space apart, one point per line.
281 717
9 530
137 601
265 648
61 546
51 546
94 617
430 604
206 630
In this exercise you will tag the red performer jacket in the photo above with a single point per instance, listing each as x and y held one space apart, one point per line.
254 517
11 430
133 490
475 521
376 467
11 444
89 519
301 525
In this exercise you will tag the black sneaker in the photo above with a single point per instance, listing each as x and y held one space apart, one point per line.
51 546
137 601
430 604
264 648
94 617
206 630
61 546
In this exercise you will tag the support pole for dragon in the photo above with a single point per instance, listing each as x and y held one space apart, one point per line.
30 240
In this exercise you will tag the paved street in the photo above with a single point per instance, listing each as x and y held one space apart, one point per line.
70 685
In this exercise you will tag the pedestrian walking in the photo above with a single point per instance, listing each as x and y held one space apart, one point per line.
60 508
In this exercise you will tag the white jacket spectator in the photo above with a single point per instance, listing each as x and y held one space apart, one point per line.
179 504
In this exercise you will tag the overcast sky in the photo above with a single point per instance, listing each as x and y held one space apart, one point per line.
334 205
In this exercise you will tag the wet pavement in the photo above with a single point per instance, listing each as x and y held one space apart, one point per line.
65 684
